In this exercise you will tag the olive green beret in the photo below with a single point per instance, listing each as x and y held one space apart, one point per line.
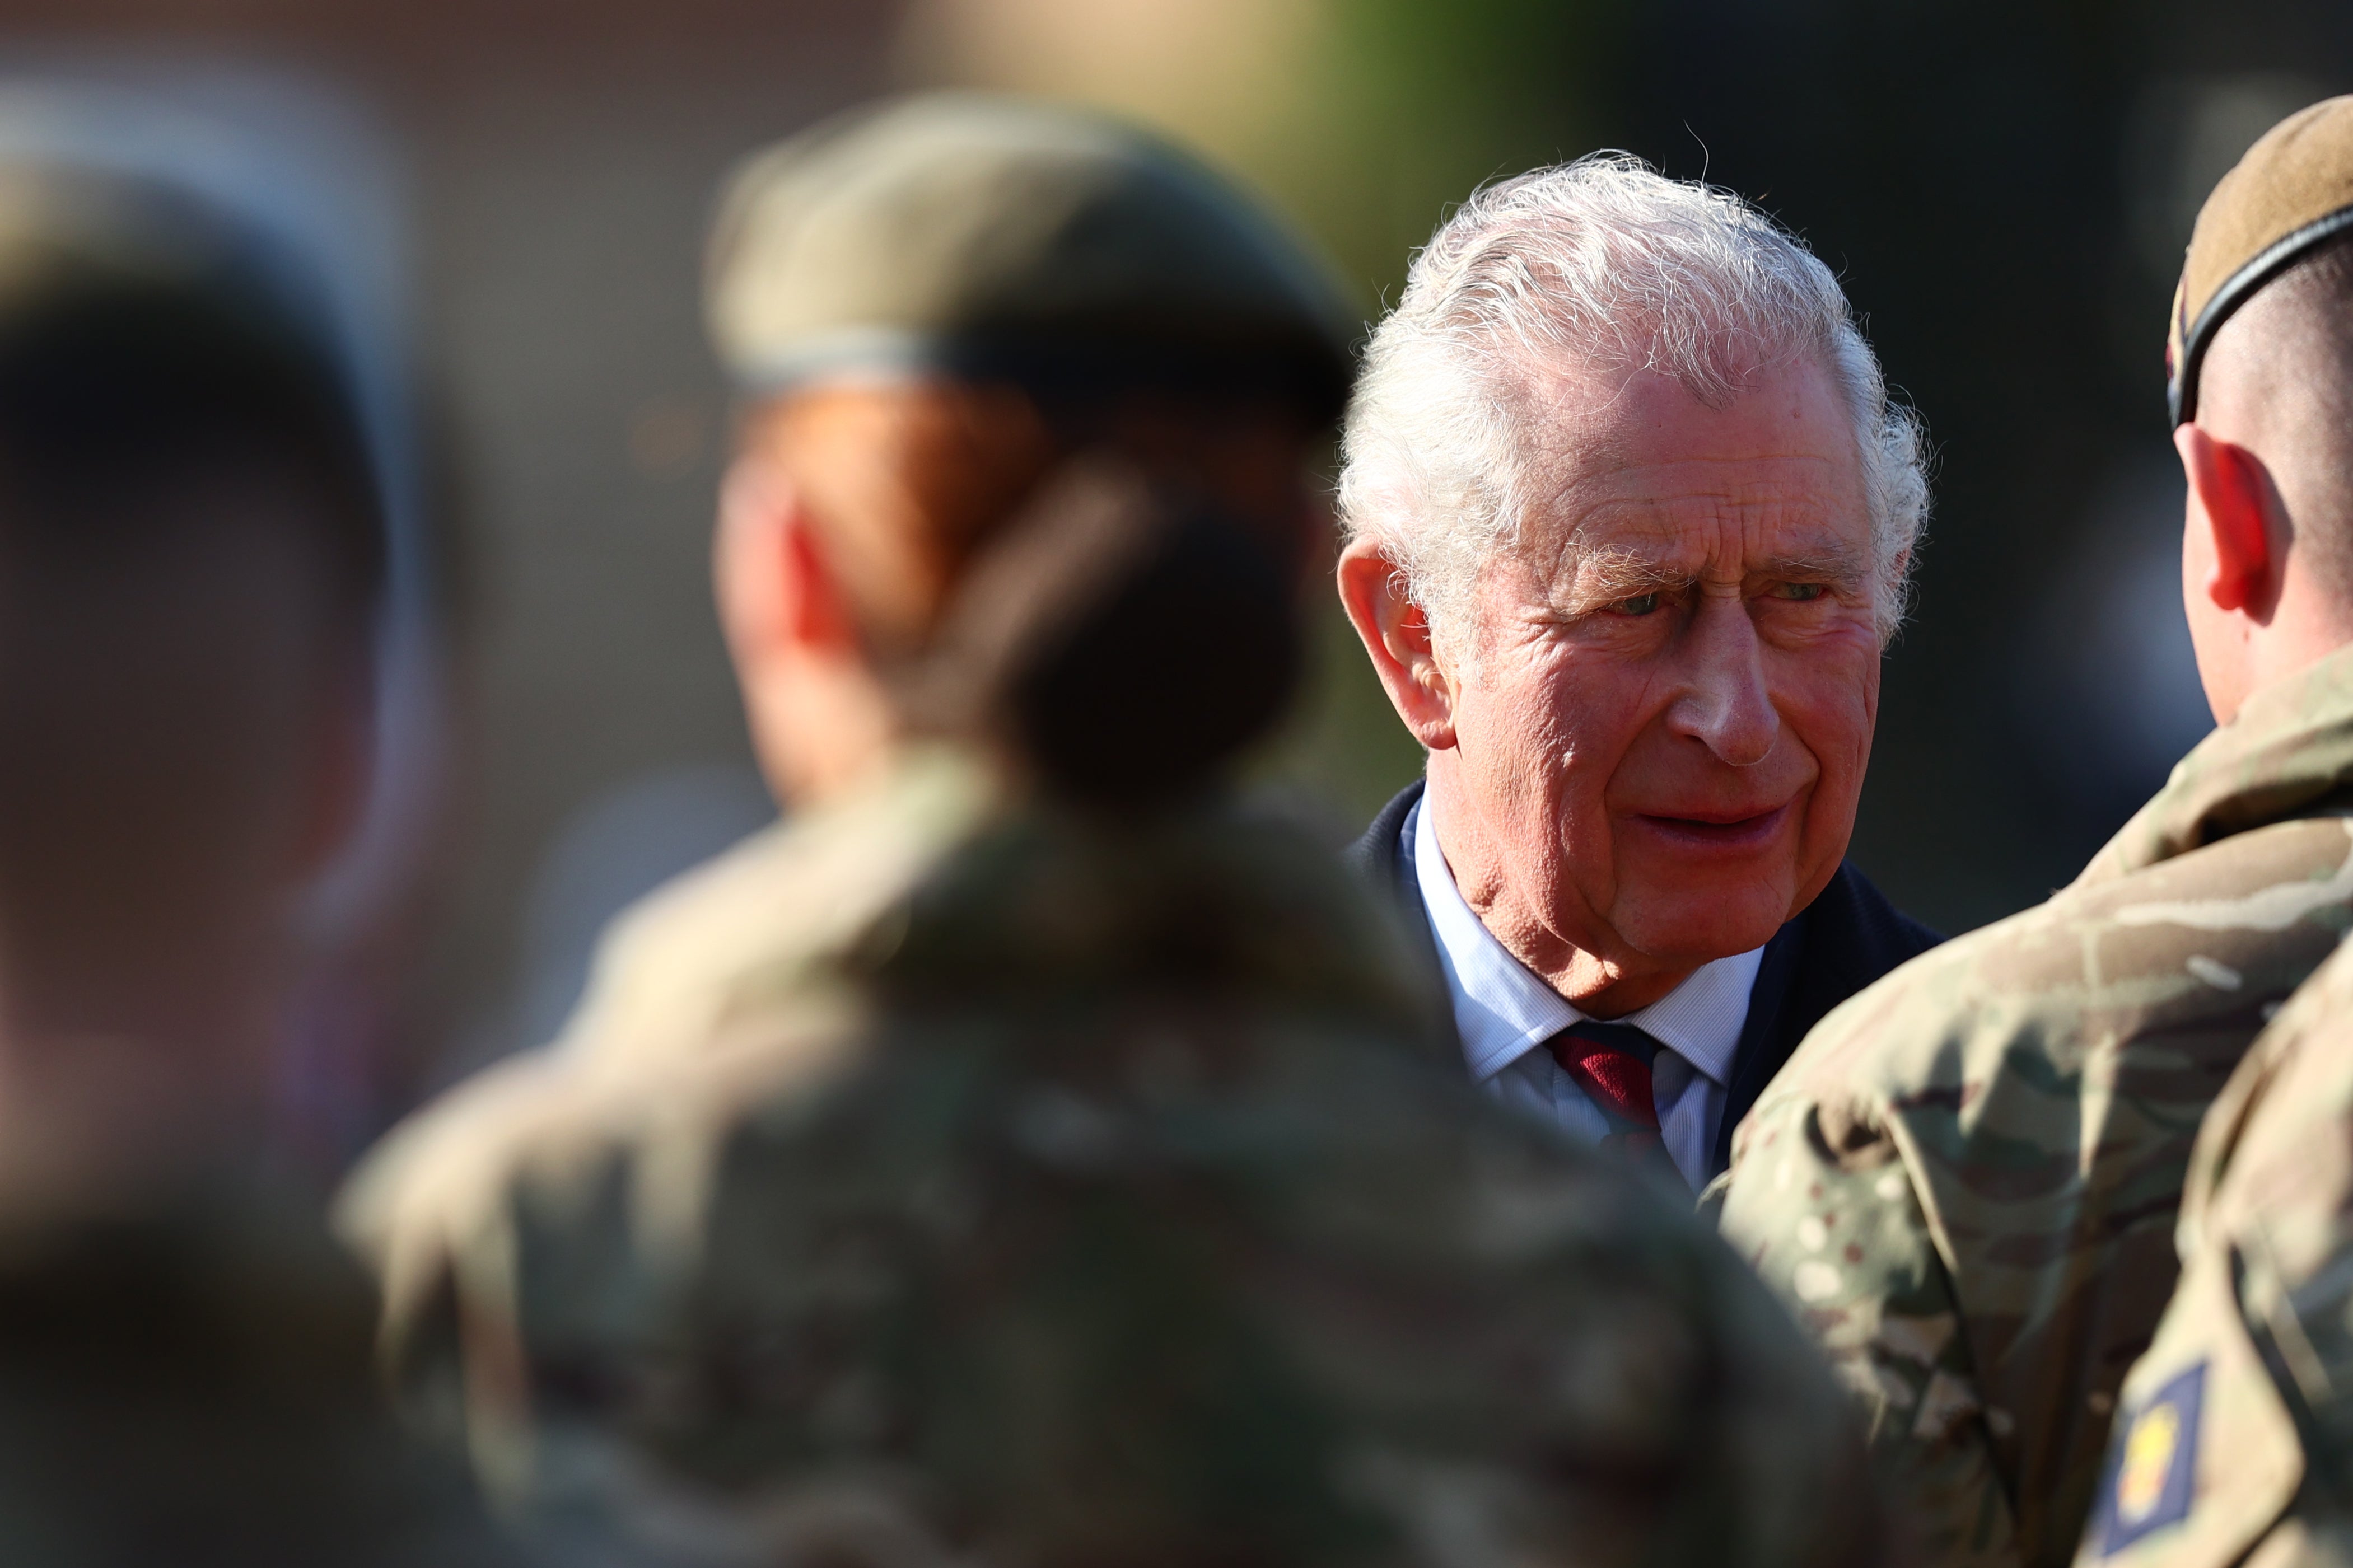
2293 190
987 237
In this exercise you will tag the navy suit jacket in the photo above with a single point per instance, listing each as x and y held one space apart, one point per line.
1844 940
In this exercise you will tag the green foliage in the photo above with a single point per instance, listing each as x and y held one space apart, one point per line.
1405 107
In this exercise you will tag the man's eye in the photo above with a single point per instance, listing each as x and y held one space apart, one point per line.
1640 605
1800 592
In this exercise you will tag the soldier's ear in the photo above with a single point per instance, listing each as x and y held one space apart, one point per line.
776 588
2236 522
1397 637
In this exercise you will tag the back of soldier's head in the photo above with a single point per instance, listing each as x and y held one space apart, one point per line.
189 549
1069 650
926 303
2261 344
2279 376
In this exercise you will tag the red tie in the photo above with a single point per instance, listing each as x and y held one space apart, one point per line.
1611 1063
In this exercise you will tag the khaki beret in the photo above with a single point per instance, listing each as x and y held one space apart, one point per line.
993 237
2293 190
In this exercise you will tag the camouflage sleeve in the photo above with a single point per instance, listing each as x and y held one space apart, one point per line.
2207 1461
1821 1203
2234 1437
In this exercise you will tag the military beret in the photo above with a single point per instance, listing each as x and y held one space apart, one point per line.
2292 192
994 238
143 318
67 228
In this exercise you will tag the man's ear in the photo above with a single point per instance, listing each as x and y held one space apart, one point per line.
1396 634
2237 524
777 589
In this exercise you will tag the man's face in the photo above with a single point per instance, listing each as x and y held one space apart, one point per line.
1660 733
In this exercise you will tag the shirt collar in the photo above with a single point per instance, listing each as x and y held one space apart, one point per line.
1701 1020
1502 1009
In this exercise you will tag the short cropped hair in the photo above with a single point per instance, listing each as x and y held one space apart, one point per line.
1602 265
2286 358
120 386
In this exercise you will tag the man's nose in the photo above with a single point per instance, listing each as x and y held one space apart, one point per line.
1723 702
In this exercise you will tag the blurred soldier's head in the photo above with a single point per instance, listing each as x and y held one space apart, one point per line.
1628 516
190 547
929 307
2260 360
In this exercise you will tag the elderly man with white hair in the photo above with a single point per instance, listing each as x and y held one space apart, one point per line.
1628 517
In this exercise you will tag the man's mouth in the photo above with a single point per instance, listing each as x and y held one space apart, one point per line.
1718 830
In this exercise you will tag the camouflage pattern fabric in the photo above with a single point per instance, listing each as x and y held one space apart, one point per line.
2235 1440
1965 1180
759 930
1094 1203
193 1384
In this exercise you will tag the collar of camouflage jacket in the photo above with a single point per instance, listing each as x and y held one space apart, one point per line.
772 916
1210 901
2288 753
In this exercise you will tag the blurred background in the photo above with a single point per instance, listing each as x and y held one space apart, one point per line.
2004 185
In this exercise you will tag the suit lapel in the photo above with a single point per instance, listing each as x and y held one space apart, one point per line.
1384 858
1846 939
1766 1037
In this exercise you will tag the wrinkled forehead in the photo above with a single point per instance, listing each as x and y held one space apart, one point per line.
1638 464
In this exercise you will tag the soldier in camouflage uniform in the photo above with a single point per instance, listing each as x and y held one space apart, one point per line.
1024 1158
2234 1440
192 540
2234 1443
1966 1182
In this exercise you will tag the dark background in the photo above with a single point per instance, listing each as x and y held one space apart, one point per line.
2004 187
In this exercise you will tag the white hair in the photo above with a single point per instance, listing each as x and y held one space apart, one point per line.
1604 266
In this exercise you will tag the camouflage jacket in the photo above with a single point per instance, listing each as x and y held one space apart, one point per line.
1965 1182
193 1383
2235 1440
1091 1202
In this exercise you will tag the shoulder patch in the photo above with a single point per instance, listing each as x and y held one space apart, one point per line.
2152 1474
